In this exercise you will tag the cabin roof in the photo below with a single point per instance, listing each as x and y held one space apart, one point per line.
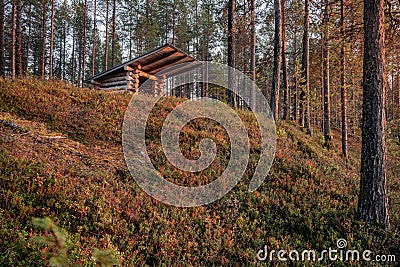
153 62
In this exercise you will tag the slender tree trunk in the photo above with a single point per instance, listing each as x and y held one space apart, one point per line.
94 38
51 41
13 39
84 40
207 52
114 35
326 82
106 49
253 52
305 93
343 81
43 70
19 40
398 86
28 40
73 67
295 81
274 101
173 19
373 202
285 78
2 62
64 31
196 27
231 51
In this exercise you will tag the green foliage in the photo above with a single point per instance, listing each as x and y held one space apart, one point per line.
105 257
57 245
55 241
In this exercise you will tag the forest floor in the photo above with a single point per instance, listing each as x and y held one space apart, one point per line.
61 157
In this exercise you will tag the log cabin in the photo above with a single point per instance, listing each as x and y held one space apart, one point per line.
157 66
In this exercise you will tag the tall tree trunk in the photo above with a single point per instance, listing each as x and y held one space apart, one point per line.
106 49
398 86
94 38
84 40
43 70
326 82
295 81
64 40
18 60
2 62
373 202
274 101
113 35
73 67
231 51
253 52
51 41
13 39
173 18
343 81
286 92
305 64
28 40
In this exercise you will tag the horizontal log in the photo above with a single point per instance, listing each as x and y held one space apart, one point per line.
111 84
124 87
115 79
94 82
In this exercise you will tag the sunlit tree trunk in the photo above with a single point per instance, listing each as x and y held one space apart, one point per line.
13 38
285 78
43 70
18 39
326 77
113 35
28 40
373 202
274 101
231 50
94 38
51 41
84 40
2 62
253 52
106 48
305 92
343 80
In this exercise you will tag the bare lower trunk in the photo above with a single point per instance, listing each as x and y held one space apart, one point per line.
43 71
2 63
94 39
373 202
84 40
285 79
106 49
343 82
51 41
295 82
253 52
274 102
13 39
305 92
326 82
231 51
113 35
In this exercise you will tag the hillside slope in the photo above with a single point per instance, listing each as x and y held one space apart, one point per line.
61 157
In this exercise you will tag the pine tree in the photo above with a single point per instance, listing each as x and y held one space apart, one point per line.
373 202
